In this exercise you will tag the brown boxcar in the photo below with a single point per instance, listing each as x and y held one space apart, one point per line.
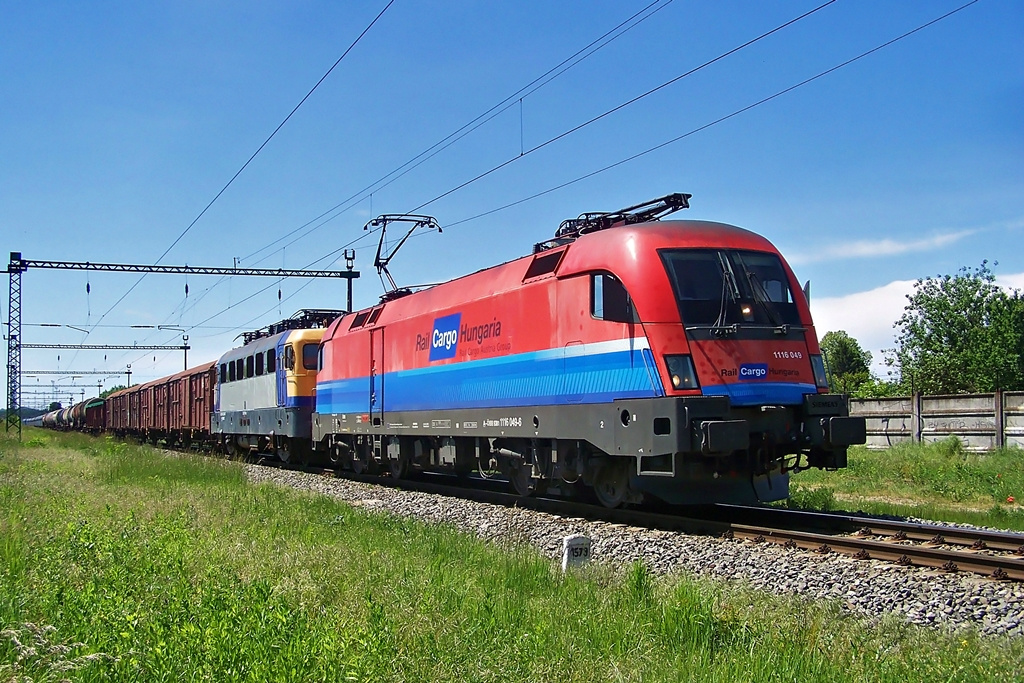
182 404
117 412
192 399
174 409
95 415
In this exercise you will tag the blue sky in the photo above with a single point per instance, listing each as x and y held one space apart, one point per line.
121 121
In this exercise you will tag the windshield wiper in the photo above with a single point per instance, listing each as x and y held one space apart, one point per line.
761 297
730 289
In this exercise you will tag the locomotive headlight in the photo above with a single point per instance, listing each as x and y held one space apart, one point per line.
820 378
681 372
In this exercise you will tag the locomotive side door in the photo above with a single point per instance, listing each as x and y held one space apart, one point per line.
376 409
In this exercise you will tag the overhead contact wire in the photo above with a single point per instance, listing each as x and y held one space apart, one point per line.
254 154
623 105
533 86
718 120
479 121
661 145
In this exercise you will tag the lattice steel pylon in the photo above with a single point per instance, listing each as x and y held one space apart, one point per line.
19 265
13 418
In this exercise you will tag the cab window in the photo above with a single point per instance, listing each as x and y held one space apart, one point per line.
289 357
609 299
309 353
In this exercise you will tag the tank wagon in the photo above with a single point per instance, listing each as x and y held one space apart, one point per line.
265 388
632 356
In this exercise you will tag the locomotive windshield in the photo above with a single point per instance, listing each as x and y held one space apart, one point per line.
720 287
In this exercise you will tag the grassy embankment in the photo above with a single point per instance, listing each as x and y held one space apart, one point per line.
121 563
935 481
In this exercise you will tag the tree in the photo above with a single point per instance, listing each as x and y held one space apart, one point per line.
848 363
111 390
961 334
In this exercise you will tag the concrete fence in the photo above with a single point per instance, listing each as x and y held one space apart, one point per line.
981 421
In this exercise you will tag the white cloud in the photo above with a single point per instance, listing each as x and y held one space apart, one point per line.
875 248
869 316
1013 281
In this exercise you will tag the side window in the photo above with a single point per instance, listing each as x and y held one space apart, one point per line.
309 356
609 299
289 357
250 367
259 364
223 373
272 360
231 371
240 368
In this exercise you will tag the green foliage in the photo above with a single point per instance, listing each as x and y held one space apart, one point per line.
878 388
111 390
939 480
961 334
117 565
848 364
811 498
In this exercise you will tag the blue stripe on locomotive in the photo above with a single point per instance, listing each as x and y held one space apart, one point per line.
548 377
760 393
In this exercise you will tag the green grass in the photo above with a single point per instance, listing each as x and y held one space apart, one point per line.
121 563
936 481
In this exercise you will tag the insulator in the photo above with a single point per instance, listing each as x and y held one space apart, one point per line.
186 289
278 294
88 288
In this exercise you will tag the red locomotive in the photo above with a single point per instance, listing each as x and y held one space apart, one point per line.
628 355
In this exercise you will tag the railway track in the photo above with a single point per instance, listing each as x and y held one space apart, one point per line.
997 554
994 554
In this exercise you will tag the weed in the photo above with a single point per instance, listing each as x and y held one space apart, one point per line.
811 498
37 657
178 569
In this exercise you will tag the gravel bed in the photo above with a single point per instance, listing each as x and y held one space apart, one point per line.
868 587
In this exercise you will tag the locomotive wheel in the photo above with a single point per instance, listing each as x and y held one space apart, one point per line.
611 483
399 467
362 460
522 480
340 456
